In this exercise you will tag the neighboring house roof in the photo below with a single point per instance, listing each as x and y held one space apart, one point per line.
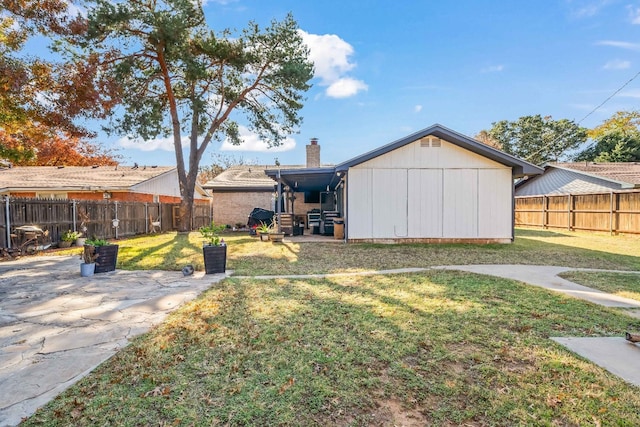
519 167
580 178
79 178
242 178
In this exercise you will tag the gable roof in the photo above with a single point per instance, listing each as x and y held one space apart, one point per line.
30 178
242 178
580 178
519 167
626 174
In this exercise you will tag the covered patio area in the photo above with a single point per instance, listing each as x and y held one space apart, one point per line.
310 202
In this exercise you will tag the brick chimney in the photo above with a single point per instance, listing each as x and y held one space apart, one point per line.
313 154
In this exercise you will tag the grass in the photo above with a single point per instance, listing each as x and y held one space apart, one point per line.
249 256
438 348
624 285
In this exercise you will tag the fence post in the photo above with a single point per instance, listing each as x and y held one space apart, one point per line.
116 220
569 211
611 213
6 212
74 213
146 218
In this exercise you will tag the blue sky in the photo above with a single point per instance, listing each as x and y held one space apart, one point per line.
385 69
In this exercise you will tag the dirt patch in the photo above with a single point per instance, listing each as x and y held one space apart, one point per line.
391 413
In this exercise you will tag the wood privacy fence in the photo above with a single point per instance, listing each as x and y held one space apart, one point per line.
615 212
94 218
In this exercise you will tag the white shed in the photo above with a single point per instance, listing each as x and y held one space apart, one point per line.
435 185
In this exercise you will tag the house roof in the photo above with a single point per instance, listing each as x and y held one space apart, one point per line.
519 167
79 178
626 174
580 178
242 178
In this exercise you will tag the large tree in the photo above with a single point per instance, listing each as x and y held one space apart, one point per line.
183 80
617 139
538 139
41 100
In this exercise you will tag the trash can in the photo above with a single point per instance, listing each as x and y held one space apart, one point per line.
338 228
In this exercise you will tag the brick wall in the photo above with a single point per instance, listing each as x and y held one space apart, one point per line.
232 208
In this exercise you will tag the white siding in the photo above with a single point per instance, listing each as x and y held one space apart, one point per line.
389 203
430 192
495 187
460 203
425 203
360 203
166 185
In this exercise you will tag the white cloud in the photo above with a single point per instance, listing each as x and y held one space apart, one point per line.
252 142
588 9
493 69
617 64
165 144
74 10
331 58
622 45
633 93
345 87
417 108
634 13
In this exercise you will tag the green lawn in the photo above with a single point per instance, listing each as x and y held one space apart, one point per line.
437 348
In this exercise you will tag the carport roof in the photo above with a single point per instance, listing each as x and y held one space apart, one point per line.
308 179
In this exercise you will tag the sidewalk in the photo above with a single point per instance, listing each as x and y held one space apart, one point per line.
56 327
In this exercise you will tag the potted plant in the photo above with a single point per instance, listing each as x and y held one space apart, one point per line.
88 257
67 238
274 234
106 254
263 231
214 249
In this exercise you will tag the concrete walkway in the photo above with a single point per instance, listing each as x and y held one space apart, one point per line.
615 354
56 327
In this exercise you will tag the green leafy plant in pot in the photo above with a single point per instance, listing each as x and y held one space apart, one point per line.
214 249
263 231
106 254
68 237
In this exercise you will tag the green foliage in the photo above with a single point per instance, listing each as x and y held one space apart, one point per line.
263 227
211 233
537 139
178 76
70 236
617 139
96 242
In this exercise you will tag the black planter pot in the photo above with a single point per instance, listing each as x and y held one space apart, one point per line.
215 259
107 257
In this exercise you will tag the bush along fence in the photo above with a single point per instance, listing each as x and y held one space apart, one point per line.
102 219
614 212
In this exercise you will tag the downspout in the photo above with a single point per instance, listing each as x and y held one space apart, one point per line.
513 209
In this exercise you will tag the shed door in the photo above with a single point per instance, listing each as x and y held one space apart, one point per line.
460 202
389 203
425 203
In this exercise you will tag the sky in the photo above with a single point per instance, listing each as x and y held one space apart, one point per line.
386 69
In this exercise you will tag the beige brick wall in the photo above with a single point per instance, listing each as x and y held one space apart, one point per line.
232 208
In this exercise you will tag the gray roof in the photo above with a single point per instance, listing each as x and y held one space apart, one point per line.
581 178
519 167
33 178
242 178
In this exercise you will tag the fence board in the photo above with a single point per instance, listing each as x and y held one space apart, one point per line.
616 212
94 218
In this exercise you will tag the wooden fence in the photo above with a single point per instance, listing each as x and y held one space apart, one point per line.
93 217
614 212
